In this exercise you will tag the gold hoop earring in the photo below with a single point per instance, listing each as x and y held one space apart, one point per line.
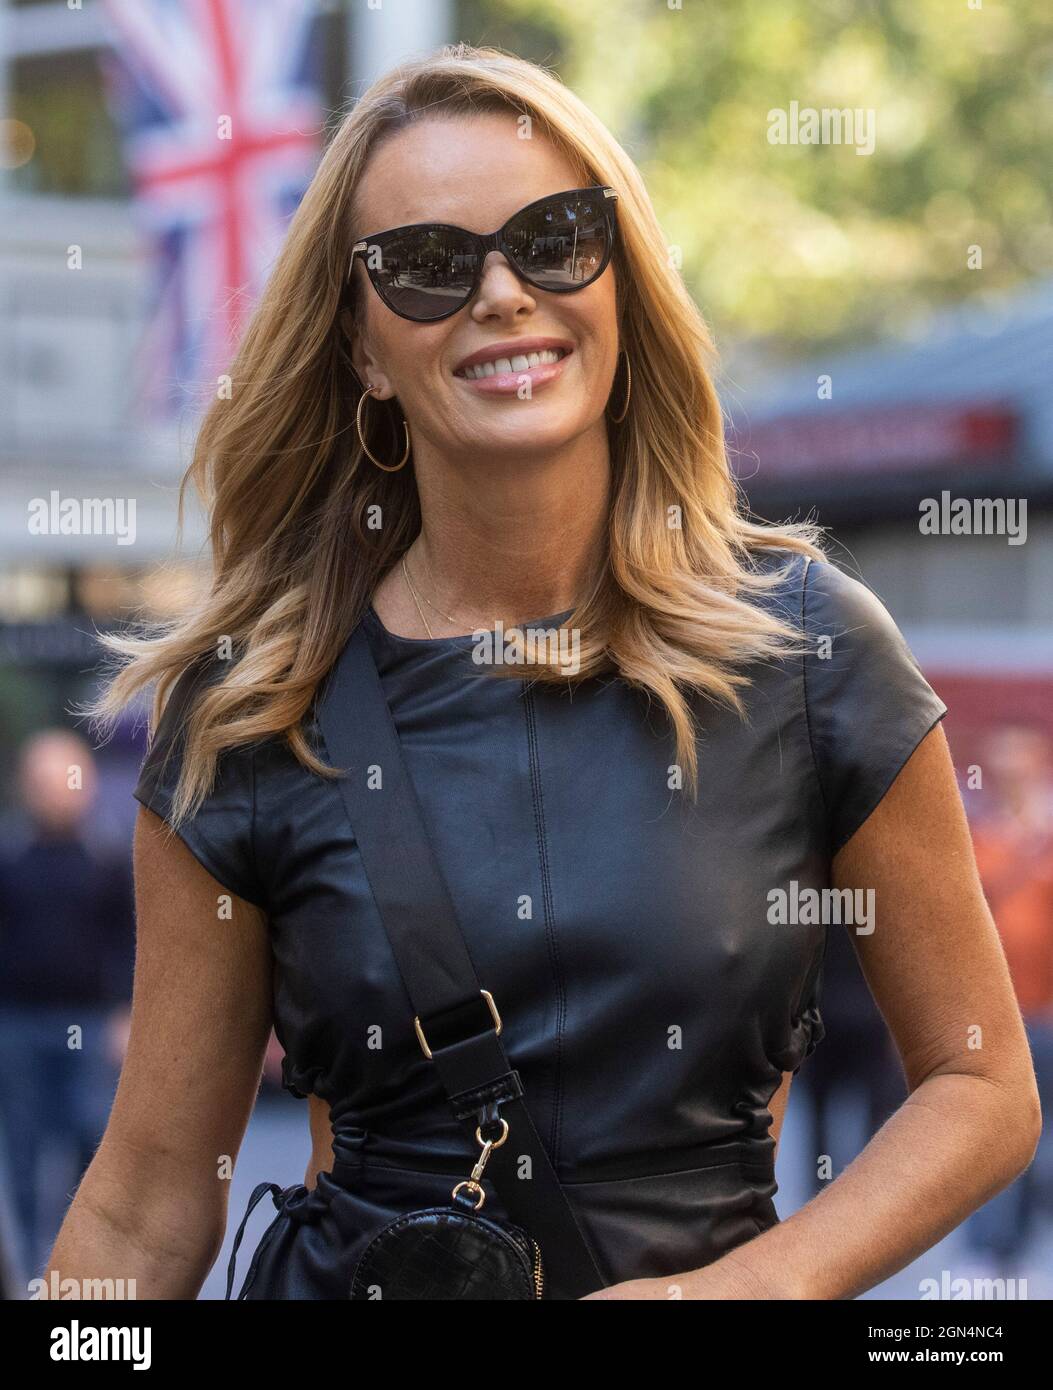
387 467
617 419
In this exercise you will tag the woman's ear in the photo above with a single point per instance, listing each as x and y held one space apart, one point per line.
363 364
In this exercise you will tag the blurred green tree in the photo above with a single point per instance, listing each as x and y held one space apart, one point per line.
787 245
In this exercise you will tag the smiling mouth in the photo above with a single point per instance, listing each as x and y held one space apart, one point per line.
505 366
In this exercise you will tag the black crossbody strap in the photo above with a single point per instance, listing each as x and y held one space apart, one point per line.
455 1018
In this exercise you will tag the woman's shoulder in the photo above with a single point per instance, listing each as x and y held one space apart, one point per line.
861 696
252 782
169 736
844 601
784 574
167 743
815 594
867 702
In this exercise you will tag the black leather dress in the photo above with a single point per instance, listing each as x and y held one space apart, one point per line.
651 1003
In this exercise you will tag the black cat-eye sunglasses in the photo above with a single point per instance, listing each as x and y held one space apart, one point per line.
427 271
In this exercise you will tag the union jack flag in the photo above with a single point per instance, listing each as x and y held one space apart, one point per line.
218 105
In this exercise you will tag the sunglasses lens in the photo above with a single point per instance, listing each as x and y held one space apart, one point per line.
424 274
562 244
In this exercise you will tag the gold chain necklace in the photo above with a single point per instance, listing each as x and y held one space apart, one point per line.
431 605
416 600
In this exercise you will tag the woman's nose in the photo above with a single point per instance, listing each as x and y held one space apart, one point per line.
500 287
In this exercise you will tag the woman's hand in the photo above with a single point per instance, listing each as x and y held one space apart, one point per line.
726 1278
635 1289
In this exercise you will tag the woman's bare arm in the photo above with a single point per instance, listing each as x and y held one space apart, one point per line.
777 1107
152 1205
972 1120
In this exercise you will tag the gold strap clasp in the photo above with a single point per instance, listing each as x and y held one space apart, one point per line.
474 1182
493 1014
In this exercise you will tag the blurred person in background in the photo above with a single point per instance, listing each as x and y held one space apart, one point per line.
66 952
1013 840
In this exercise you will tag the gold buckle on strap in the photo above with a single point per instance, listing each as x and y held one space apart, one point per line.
493 1013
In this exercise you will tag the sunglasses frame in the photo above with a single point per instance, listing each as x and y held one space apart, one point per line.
485 243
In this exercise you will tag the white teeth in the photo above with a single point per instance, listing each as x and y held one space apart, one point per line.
522 362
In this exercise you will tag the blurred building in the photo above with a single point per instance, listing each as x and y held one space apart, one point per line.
872 441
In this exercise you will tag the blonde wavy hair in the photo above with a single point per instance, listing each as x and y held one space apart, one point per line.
286 488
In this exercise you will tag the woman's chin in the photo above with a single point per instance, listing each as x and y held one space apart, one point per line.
542 434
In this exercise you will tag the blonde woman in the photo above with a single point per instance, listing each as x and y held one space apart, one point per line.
475 393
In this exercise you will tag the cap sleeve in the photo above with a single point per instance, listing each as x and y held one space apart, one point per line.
220 834
868 704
